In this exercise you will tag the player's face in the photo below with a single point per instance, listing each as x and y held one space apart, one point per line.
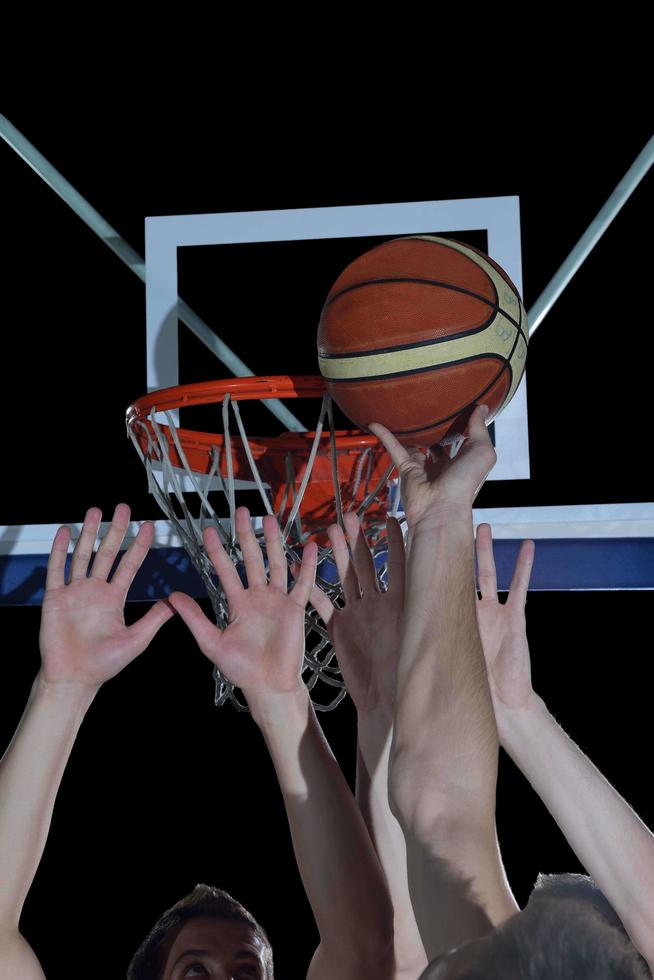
213 949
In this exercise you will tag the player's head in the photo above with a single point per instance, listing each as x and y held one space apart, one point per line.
568 930
205 928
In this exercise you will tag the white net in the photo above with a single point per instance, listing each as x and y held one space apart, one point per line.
187 499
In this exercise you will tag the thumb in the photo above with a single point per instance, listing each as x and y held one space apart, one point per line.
146 628
477 432
477 450
205 632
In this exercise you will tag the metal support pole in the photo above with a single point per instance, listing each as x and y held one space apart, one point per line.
135 262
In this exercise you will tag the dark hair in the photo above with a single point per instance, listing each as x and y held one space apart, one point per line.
576 886
204 901
563 933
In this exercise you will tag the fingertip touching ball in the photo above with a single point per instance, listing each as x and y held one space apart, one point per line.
416 332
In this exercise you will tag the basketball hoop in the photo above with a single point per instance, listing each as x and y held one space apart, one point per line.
306 480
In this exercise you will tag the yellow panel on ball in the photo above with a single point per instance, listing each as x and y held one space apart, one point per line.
416 332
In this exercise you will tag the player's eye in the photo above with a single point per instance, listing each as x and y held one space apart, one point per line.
194 970
247 973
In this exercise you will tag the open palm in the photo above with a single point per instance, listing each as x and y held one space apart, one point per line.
83 637
261 648
502 627
365 633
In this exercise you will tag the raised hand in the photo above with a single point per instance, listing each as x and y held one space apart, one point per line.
84 639
262 646
502 627
366 632
434 486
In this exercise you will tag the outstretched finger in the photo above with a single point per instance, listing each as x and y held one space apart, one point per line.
322 604
255 569
110 544
133 557
486 573
344 564
477 430
393 447
522 574
207 634
57 561
364 563
83 551
396 556
278 569
477 436
307 575
477 455
225 570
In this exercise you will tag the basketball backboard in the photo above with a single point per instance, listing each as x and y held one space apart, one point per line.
254 282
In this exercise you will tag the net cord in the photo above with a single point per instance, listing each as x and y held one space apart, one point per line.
318 660
326 401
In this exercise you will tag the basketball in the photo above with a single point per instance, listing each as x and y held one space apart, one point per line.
416 332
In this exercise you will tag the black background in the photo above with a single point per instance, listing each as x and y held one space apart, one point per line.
162 790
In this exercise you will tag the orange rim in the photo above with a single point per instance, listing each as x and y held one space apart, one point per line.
245 389
270 453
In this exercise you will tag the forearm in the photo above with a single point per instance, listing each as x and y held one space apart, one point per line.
340 871
443 770
30 774
610 840
374 740
445 737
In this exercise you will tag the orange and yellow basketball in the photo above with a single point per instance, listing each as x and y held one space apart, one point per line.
416 332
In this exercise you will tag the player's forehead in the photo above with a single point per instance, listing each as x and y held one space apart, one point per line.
216 936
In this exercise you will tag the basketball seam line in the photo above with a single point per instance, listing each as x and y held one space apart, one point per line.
447 418
371 352
420 370
473 248
424 237
438 367
423 282
507 367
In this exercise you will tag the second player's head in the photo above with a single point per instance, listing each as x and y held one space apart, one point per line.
207 933
567 930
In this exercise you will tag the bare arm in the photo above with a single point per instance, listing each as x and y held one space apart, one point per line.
366 637
609 839
444 756
339 868
260 651
444 763
30 775
84 641
374 742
